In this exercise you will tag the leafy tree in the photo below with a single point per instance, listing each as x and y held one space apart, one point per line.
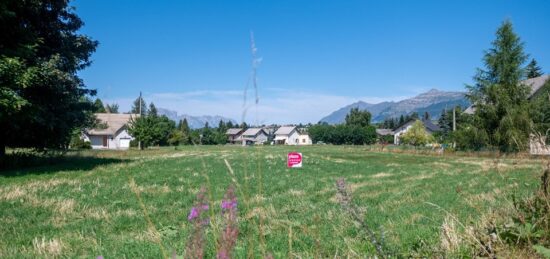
176 138
499 96
111 108
98 106
42 99
417 135
151 130
533 70
358 118
136 105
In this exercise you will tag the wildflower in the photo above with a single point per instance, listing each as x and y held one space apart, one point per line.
199 221
231 231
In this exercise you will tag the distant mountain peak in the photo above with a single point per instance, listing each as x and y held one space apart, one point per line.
195 122
432 101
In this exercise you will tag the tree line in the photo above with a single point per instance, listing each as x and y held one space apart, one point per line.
357 130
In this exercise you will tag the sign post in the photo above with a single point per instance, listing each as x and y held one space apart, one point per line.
294 159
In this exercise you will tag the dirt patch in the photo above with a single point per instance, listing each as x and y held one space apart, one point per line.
380 175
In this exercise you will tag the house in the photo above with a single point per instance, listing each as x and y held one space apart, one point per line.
287 135
534 83
428 125
112 132
234 135
304 139
254 136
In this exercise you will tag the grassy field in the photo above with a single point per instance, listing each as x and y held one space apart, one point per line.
95 203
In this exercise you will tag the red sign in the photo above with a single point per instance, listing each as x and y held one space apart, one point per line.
294 159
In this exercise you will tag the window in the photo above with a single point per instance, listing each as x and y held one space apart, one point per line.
303 140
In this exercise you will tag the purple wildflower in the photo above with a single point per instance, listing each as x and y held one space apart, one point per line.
99 257
199 221
231 231
193 214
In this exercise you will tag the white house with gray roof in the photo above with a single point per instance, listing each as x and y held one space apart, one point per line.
428 125
111 133
254 136
287 135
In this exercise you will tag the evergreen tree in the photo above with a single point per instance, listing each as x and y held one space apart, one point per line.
426 116
135 106
111 108
533 70
98 105
152 110
498 95
42 99
401 120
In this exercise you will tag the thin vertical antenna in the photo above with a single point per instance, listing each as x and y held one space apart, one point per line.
139 139
255 63
252 78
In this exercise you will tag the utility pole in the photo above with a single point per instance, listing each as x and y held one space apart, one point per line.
139 140
454 124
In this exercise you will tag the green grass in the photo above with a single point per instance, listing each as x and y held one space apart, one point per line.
86 205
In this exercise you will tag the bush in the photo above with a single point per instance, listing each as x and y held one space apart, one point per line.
77 143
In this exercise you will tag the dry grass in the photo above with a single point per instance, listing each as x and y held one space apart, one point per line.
48 247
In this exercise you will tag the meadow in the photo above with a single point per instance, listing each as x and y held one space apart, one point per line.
132 204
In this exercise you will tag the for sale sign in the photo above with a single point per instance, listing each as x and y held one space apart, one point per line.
294 159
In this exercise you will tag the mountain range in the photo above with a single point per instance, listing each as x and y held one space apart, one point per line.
195 122
433 102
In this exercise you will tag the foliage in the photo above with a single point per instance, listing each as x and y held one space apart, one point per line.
358 118
417 135
111 108
151 130
98 106
468 137
78 143
343 134
540 109
533 70
42 99
498 95
530 223
136 106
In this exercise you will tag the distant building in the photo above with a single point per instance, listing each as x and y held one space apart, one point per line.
304 139
234 135
111 133
254 136
287 135
428 125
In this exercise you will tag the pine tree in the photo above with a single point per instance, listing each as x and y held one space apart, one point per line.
111 108
498 95
99 107
533 70
152 110
136 104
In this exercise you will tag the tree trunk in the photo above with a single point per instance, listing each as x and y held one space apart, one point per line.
2 150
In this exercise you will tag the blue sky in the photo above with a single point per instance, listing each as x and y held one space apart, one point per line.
317 56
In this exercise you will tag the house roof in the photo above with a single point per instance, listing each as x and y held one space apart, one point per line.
285 130
233 131
252 131
384 132
534 83
114 121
